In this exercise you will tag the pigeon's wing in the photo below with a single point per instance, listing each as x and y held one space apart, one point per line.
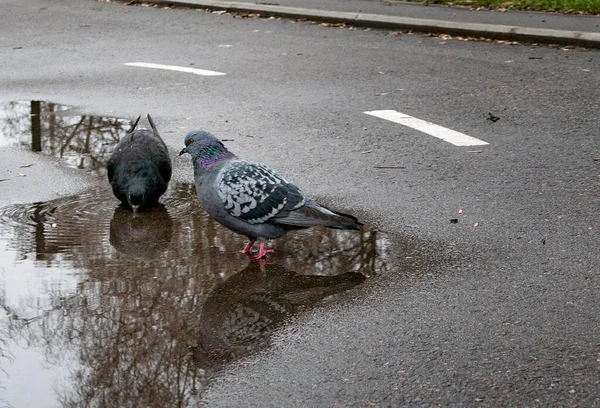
163 161
134 125
254 193
111 166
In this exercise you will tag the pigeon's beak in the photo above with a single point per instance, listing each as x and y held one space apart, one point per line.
184 150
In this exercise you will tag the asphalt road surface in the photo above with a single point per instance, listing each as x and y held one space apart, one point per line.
499 307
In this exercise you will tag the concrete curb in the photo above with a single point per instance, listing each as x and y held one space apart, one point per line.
493 31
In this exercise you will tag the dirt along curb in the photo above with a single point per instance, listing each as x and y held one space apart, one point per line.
492 31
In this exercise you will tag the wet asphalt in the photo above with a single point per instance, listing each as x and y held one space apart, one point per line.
496 309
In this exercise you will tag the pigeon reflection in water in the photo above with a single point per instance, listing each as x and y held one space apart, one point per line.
241 314
144 235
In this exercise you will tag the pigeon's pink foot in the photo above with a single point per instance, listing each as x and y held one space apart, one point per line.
248 248
261 252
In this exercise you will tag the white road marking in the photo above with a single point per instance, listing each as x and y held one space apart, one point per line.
448 135
174 68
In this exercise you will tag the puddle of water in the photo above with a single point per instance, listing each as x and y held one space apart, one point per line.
83 142
105 309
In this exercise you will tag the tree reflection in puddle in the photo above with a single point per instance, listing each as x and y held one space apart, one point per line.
149 308
81 141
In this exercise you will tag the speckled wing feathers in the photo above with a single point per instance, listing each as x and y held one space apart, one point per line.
254 193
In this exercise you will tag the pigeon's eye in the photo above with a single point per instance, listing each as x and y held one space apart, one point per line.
191 141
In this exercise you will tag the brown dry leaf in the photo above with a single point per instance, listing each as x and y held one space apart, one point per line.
476 224
381 94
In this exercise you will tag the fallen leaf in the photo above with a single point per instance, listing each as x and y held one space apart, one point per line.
383 73
26 165
389 167
586 70
381 94
492 118
367 151
476 224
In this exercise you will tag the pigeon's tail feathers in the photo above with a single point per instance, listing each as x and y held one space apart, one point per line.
313 215
350 222
134 125
152 125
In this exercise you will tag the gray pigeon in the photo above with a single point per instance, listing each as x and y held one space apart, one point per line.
250 198
139 169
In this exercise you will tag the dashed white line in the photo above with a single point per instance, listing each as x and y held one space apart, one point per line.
196 71
448 135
